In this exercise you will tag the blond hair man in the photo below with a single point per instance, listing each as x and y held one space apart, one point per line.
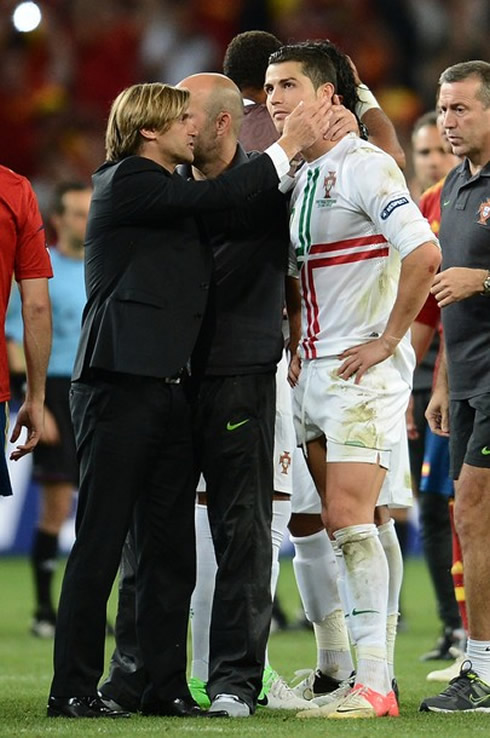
147 276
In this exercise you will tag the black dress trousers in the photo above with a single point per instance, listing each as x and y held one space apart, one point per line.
134 447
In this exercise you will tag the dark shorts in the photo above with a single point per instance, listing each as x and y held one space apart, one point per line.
57 462
435 469
469 441
5 486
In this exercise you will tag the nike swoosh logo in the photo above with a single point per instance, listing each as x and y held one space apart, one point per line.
234 426
485 450
479 700
346 710
445 203
355 612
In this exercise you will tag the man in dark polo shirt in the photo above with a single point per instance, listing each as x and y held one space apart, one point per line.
460 405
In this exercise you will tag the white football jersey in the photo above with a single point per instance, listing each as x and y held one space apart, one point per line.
352 221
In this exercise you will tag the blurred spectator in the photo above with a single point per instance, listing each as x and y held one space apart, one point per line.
173 45
58 80
106 37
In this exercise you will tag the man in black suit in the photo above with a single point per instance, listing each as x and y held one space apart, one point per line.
234 411
147 279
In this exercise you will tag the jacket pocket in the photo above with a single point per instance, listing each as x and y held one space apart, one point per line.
134 294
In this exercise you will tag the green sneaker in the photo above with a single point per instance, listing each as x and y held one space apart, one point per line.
197 688
277 695
268 677
466 693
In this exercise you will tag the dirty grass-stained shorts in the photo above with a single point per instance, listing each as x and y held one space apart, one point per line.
396 490
361 422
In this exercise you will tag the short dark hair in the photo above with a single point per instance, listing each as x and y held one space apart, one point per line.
58 206
427 119
247 57
322 61
474 68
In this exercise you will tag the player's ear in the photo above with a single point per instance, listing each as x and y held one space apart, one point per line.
149 134
223 122
327 90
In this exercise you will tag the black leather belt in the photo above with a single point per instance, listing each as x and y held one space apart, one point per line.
177 379
115 377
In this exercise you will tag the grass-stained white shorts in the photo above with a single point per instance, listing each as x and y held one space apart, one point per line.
396 490
361 422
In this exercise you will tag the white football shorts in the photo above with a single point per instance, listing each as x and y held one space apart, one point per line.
361 422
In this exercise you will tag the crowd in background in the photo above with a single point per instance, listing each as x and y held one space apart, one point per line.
58 81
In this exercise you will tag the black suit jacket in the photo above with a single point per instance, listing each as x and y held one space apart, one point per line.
147 267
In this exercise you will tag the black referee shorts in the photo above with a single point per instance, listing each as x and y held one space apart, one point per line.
57 462
5 486
469 440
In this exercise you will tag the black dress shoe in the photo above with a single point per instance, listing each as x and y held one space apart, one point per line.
82 707
179 707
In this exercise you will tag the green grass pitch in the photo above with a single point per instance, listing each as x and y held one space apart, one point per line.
25 673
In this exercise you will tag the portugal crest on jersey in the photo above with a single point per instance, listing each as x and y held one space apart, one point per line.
484 212
285 462
329 182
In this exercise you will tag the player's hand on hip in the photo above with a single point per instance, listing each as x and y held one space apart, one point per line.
358 359
294 370
437 413
412 430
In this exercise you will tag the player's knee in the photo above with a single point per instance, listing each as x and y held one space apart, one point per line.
469 516
340 514
304 524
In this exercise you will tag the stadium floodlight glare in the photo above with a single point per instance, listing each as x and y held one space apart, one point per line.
26 17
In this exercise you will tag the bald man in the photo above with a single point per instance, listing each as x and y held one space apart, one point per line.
234 376
235 408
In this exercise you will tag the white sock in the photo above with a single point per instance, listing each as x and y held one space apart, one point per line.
342 586
478 652
202 597
366 573
281 512
315 567
393 553
333 647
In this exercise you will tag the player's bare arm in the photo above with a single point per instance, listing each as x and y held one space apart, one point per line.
293 307
36 314
381 130
382 133
416 277
437 412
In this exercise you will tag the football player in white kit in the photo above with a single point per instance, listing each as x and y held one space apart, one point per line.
366 260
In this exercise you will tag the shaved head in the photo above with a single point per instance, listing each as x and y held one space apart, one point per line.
215 94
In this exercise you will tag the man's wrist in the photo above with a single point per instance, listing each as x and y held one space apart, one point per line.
280 157
366 100
289 147
391 341
486 284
